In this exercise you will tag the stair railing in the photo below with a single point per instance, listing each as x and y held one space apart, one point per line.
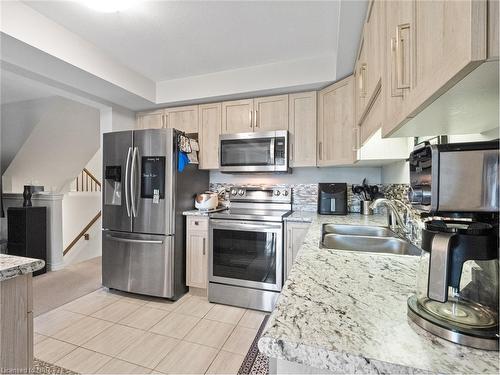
87 182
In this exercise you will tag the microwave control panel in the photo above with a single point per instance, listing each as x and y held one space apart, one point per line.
280 151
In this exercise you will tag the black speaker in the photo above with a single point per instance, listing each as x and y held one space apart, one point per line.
332 198
27 233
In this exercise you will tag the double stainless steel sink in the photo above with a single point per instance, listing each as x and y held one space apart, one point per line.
365 238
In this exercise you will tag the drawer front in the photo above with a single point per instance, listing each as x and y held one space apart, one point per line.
197 223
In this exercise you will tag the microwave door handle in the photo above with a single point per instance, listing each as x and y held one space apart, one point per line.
127 170
271 150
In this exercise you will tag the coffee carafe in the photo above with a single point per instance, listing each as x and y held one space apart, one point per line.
457 292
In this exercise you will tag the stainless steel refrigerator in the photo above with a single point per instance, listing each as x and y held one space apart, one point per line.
144 195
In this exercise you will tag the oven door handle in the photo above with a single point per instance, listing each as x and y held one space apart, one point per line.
245 225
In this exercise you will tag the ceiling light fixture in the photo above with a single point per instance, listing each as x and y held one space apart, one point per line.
108 6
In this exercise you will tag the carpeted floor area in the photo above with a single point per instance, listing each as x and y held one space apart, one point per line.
54 289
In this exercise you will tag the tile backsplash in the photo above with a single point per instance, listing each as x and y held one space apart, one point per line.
305 196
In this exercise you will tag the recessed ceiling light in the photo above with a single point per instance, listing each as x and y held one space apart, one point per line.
108 6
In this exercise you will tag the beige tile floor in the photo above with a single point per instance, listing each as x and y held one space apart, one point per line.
117 333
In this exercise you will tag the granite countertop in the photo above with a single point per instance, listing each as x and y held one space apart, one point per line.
345 311
195 213
301 217
12 266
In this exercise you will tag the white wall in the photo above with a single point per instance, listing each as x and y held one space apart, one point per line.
396 173
63 141
122 119
17 121
78 209
303 176
94 165
84 249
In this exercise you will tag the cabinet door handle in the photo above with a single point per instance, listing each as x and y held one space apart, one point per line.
250 112
203 246
196 223
291 150
362 80
320 150
394 71
256 119
403 66
356 143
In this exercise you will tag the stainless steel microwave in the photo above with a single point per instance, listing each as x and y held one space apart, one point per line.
254 152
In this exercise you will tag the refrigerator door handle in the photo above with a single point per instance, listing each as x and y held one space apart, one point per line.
128 240
132 182
127 168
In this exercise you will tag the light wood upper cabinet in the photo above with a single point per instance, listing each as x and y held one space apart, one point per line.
493 29
451 37
210 117
197 252
360 75
252 115
302 128
400 54
237 116
336 124
372 121
151 120
369 64
271 113
183 118
375 39
431 45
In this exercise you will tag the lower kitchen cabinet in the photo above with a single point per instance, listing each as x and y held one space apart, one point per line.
295 233
197 252
16 323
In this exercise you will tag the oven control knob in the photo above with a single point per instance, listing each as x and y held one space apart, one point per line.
241 192
285 193
233 191
277 192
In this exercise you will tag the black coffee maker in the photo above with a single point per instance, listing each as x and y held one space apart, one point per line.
456 187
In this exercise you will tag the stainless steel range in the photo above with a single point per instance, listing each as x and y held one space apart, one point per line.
246 247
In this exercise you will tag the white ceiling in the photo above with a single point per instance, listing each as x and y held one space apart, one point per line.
164 40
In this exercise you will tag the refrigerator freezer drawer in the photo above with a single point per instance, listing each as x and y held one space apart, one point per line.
138 263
